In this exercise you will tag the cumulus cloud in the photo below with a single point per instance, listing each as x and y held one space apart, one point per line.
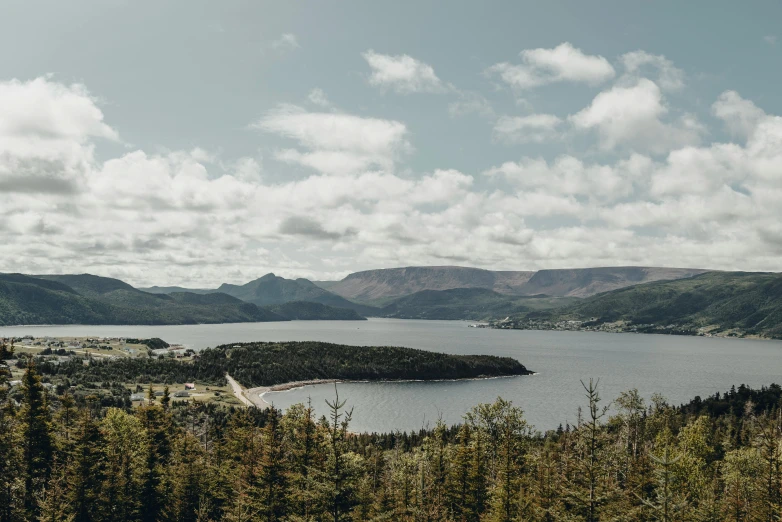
171 217
336 140
740 116
568 175
534 128
633 116
402 73
563 63
309 228
669 77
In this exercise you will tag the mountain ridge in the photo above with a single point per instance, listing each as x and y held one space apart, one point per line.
272 290
379 287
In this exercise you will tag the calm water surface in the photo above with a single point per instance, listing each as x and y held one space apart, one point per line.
678 367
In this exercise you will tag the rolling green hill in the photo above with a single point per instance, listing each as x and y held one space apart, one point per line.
744 303
32 300
89 299
308 311
467 303
274 290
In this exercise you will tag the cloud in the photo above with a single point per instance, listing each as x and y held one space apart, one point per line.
632 116
46 135
669 77
563 63
319 98
740 116
309 228
570 176
286 42
169 217
534 128
337 137
770 39
469 102
402 73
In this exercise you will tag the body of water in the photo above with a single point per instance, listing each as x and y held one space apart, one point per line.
677 367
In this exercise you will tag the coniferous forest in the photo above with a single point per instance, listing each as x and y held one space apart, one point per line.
713 459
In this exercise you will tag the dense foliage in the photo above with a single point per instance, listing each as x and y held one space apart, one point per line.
155 343
751 303
467 303
266 364
307 311
711 460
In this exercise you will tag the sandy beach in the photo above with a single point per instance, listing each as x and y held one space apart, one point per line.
254 396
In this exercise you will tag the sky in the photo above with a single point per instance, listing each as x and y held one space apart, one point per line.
196 142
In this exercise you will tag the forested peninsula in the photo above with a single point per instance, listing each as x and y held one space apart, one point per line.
267 364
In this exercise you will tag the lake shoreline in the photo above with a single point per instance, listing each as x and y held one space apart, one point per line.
260 391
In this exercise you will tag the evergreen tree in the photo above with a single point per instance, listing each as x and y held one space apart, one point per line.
273 484
666 505
165 401
587 487
36 438
125 447
338 480
85 474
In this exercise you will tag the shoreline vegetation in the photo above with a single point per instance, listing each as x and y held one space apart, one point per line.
594 325
112 369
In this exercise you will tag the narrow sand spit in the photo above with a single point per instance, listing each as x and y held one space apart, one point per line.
254 396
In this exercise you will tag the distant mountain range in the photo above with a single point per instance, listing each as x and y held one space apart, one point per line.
632 294
273 290
379 287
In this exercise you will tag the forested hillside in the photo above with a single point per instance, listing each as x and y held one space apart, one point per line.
745 303
30 300
467 303
306 311
67 457
89 299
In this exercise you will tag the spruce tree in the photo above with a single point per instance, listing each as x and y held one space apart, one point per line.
272 482
36 438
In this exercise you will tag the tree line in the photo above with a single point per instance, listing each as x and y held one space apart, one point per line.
713 459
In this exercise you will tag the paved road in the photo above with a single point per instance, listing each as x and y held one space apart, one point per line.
238 391
248 397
